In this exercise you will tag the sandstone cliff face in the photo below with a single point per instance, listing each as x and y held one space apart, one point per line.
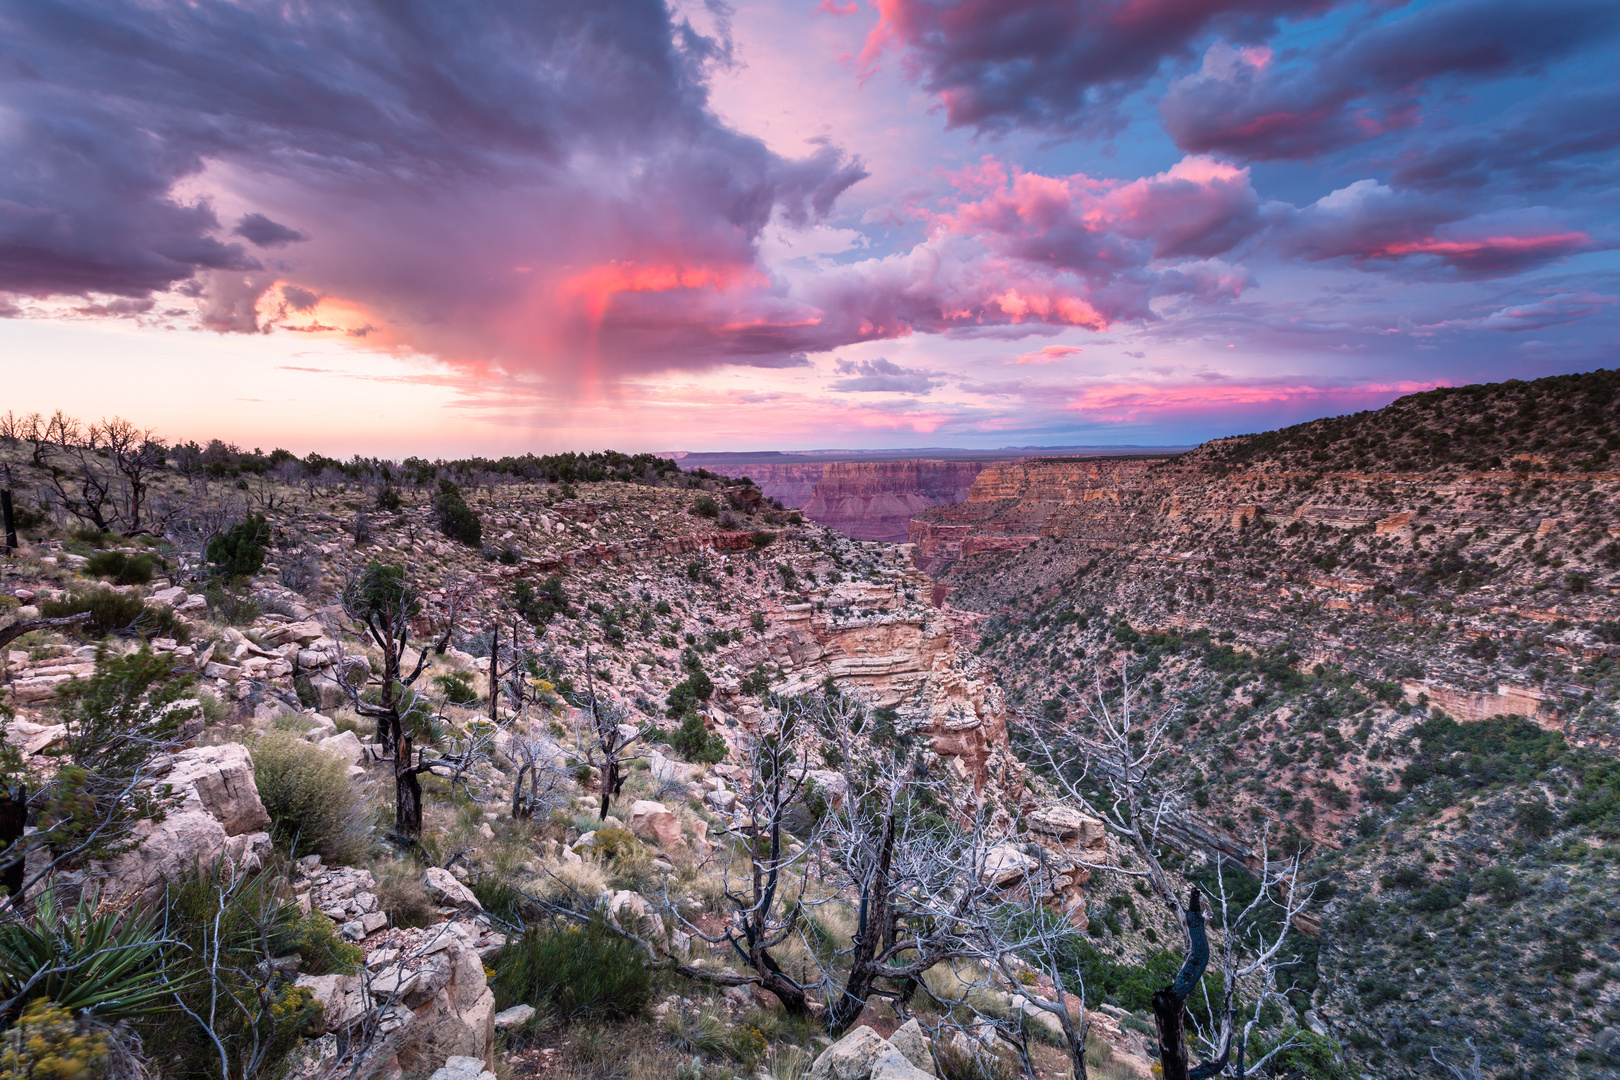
882 642
876 500
866 500
791 485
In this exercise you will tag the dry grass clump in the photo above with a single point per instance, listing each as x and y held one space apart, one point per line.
401 894
313 804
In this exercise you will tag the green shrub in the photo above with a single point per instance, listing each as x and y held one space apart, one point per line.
122 614
313 805
48 1044
121 568
400 892
231 607
578 972
706 506
617 846
695 742
251 1006
539 606
102 964
239 550
457 688
456 519
685 696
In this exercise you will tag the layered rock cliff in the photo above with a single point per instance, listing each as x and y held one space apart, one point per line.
866 500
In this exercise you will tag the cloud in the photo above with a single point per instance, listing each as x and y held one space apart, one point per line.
883 376
1247 103
1556 310
425 151
299 299
1568 137
265 233
1049 354
1368 222
1054 65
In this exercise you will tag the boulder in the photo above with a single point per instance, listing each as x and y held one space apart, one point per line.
851 1057
345 745
914 1045
515 1017
891 1064
342 999
655 821
463 1068
1067 823
219 780
1004 864
301 633
445 889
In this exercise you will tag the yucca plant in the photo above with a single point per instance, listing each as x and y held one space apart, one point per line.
84 961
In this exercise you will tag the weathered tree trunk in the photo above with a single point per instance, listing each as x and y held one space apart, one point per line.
407 791
10 520
494 669
1170 1003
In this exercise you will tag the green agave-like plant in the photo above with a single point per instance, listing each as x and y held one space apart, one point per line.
84 961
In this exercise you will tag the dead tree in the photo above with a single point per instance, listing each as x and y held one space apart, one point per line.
134 454
458 593
919 876
764 912
1114 778
1250 953
610 747
383 600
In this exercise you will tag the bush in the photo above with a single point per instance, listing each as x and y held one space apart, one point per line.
539 606
456 519
223 928
313 805
685 696
239 550
47 1044
457 688
695 742
706 506
233 608
121 568
123 614
101 964
578 972
400 893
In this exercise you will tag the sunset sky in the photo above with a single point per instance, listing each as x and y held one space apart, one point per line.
452 228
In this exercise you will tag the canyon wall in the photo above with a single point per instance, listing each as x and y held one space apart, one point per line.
876 500
867 500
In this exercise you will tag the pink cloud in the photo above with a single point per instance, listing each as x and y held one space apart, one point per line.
1051 354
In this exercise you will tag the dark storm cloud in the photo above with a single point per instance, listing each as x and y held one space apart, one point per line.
1056 65
1365 83
463 171
266 233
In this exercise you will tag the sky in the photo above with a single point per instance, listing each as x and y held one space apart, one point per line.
452 228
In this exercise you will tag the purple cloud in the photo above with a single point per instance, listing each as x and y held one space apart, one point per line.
1055 65
1253 105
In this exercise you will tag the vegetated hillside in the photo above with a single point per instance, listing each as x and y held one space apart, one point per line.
1559 422
1409 664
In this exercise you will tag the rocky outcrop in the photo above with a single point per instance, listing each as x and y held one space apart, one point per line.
217 812
881 641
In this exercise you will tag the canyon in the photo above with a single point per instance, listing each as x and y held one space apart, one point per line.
875 498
